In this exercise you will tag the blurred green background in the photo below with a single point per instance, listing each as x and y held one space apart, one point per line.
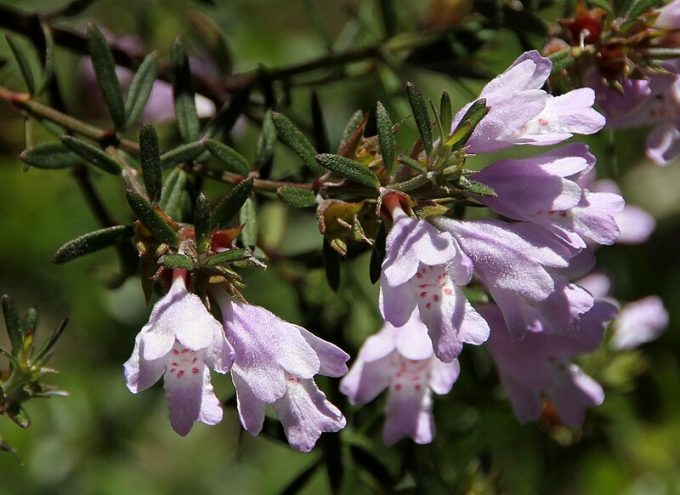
104 440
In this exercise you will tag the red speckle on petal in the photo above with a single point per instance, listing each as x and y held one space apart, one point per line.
563 214
194 360
417 386
423 294
180 373
428 305
397 386
419 275
175 352
543 121
435 297
448 292
195 371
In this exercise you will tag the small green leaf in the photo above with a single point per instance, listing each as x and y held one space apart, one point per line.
475 187
17 414
105 69
389 17
42 353
176 260
152 220
232 160
92 155
228 256
561 60
331 263
51 156
171 197
348 168
231 203
291 136
248 218
210 37
352 134
603 4
183 92
12 323
48 71
75 7
140 88
265 143
388 144
24 65
420 113
202 223
445 112
92 241
184 153
151 162
412 163
468 124
296 196
638 7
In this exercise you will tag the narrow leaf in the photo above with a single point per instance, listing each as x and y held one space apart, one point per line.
183 92
51 156
30 322
12 323
421 115
301 480
140 88
105 69
24 65
176 260
468 124
171 197
231 203
17 414
296 196
92 241
331 263
202 223
388 144
445 112
182 154
151 162
48 344
248 218
228 257
348 168
389 17
92 155
48 71
232 160
352 133
638 7
152 220
475 187
265 143
291 136
412 163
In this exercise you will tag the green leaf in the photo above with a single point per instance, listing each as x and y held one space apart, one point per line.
468 124
638 7
151 162
389 17
248 218
176 260
202 223
42 353
51 156
232 160
105 69
302 479
75 7
388 144
603 4
228 256
210 37
171 197
12 323
378 255
183 92
348 168
30 322
475 187
296 196
420 114
331 263
152 220
91 242
48 72
291 136
231 203
412 163
561 60
24 65
352 133
184 153
17 414
92 155
140 88
445 112
265 143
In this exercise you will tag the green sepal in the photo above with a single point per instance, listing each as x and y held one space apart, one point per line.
296 196
152 219
421 115
202 223
331 263
228 256
92 155
140 88
182 154
467 125
51 156
292 137
105 69
388 144
265 143
176 260
475 187
12 323
91 242
152 172
348 168
24 65
248 218
231 203
232 160
183 93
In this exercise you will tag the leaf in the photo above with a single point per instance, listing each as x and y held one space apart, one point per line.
638 7
171 197
75 7
151 162
202 223
176 260
105 69
389 17
209 35
388 144
12 324
24 65
291 136
17 414
348 168
184 153
352 133
231 203
152 219
412 163
265 143
331 264
92 155
183 93
232 160
301 479
318 125
364 459
48 72
445 112
296 196
42 353
475 187
140 88
420 113
50 156
378 255
248 218
228 256
561 60
30 322
602 4
91 242
468 124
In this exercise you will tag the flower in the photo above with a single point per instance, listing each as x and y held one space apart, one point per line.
180 343
402 360
275 363
425 268
520 112
669 16
639 322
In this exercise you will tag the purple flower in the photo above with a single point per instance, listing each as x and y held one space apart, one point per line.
669 16
425 268
520 112
402 360
639 322
179 343
275 363
538 368
545 190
